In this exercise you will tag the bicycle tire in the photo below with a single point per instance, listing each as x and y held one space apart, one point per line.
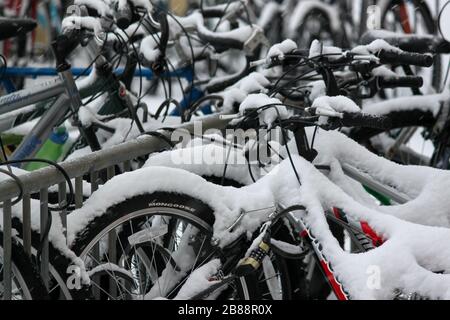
25 272
198 214
58 267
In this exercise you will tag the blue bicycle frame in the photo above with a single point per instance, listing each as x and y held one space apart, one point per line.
186 73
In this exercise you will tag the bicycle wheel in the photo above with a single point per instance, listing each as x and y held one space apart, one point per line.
59 267
316 26
413 16
147 246
26 283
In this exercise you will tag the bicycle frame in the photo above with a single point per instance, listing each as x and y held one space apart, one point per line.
363 229
48 71
66 91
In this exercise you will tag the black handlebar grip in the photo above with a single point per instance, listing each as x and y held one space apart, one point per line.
415 59
219 42
400 82
351 119
64 44
124 16
213 12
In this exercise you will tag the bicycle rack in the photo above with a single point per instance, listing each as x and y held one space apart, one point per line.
41 180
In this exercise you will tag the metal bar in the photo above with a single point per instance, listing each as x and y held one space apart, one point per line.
374 185
402 139
35 94
94 181
111 172
78 192
7 236
96 249
48 72
44 253
102 159
112 250
112 257
26 227
127 166
62 200
42 129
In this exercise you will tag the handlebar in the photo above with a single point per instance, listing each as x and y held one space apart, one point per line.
365 120
411 58
412 43
124 15
400 82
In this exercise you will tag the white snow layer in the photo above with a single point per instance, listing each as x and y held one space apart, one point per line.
416 233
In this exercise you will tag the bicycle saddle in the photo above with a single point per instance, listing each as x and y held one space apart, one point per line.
13 27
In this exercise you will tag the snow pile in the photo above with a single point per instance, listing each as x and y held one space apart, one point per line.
270 109
318 49
415 242
149 48
280 49
375 47
56 235
333 106
255 82
207 160
430 103
267 14
199 280
90 23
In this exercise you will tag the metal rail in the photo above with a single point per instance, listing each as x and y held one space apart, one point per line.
92 165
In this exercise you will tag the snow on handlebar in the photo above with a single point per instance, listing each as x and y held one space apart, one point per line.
341 111
88 23
102 8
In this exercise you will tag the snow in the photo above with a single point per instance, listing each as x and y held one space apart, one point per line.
317 49
318 89
85 82
333 106
286 247
375 47
280 49
315 186
416 233
199 280
56 235
255 82
124 130
74 22
149 48
267 13
206 160
338 103
267 115
404 260
424 103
